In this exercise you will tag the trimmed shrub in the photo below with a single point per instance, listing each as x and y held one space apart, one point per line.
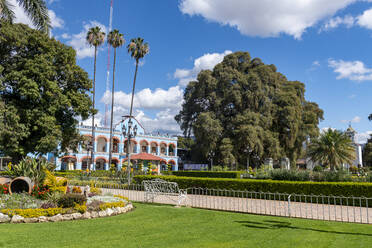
70 200
32 213
318 168
289 175
210 174
307 188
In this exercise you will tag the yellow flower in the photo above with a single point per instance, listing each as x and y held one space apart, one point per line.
10 165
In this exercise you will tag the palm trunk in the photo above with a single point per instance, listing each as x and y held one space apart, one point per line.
130 116
94 101
112 108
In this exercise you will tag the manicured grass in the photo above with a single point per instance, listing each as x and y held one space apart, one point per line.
166 226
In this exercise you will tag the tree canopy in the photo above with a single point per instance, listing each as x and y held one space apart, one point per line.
244 108
367 153
42 93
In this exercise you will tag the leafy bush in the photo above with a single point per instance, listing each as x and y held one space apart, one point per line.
308 188
32 168
211 174
76 190
19 201
289 175
4 189
80 208
40 192
33 213
70 200
55 183
318 168
47 205
107 205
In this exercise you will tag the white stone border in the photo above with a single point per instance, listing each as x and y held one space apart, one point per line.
64 217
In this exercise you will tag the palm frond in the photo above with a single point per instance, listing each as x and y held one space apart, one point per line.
137 48
115 39
6 12
95 37
37 11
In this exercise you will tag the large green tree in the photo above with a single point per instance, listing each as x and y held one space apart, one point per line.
332 148
367 153
251 107
42 93
35 9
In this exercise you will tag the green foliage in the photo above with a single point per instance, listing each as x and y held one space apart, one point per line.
308 188
70 200
246 109
42 93
36 10
290 175
367 153
318 168
211 174
17 201
33 168
4 189
333 148
33 213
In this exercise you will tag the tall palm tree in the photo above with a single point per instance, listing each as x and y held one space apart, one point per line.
114 39
332 148
36 10
95 37
138 50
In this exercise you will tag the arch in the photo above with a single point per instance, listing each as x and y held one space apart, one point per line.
115 144
103 158
144 141
144 144
85 157
171 149
133 145
115 159
154 147
172 162
163 143
68 163
132 140
173 144
102 136
101 143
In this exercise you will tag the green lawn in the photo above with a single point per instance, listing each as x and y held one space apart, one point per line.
166 226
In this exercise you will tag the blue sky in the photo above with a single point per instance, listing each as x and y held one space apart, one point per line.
324 44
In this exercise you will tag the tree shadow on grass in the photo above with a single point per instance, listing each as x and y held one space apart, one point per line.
273 224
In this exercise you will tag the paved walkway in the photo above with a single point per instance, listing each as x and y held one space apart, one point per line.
279 207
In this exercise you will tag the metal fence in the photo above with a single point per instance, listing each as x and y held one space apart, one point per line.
332 208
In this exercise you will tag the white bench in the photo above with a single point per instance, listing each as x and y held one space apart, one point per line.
157 187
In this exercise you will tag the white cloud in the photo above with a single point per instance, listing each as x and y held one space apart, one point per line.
167 103
362 138
265 18
356 119
205 62
55 21
334 22
21 16
79 43
353 70
352 96
365 20
65 36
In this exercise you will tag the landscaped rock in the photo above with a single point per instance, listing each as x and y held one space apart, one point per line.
94 214
67 217
4 218
86 215
102 214
77 216
56 218
30 220
109 212
17 219
43 219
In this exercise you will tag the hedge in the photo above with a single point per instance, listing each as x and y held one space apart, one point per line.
210 174
98 184
307 188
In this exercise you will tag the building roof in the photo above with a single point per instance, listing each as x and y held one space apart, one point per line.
145 156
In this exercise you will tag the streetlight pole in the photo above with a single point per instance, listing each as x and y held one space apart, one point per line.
130 134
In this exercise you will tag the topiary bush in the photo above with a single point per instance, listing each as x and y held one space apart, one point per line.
318 168
289 175
70 200
211 174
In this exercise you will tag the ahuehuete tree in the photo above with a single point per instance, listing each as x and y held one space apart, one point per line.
367 153
332 148
249 108
42 93
36 10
